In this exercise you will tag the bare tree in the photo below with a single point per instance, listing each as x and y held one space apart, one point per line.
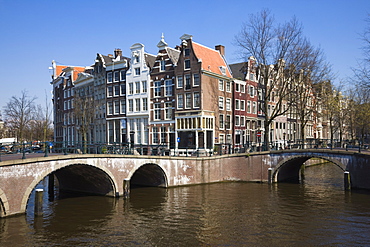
275 48
19 113
84 110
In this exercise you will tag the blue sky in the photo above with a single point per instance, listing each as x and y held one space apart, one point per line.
33 33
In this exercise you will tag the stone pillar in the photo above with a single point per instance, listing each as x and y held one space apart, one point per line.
347 181
38 202
126 188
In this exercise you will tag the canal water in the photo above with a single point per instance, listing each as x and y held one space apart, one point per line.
317 212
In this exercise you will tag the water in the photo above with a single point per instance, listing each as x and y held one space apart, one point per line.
316 212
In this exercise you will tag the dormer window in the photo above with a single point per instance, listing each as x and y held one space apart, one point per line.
223 70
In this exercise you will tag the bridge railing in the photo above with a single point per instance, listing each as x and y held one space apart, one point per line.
168 149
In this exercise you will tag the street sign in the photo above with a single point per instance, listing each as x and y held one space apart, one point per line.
178 139
259 134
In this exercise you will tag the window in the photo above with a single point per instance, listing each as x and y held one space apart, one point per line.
187 81
168 110
186 52
237 87
228 122
254 108
145 104
251 91
228 104
221 121
116 107
157 111
187 63
196 101
123 75
137 71
123 106
163 135
221 103
222 138
228 86
162 65
155 134
137 59
130 105
110 91
116 76
237 104
144 87
188 100
110 108
109 77
131 88
180 82
237 120
196 80
137 87
157 88
123 89
251 77
242 88
137 105
221 85
168 91
180 101
248 106
228 139
242 105
242 121
116 90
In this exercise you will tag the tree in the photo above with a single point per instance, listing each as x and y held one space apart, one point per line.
275 47
19 113
84 110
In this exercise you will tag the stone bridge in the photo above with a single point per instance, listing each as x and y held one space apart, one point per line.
109 175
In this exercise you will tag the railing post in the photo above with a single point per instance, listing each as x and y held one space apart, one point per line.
46 150
24 151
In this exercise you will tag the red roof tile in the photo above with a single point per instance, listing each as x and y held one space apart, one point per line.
211 59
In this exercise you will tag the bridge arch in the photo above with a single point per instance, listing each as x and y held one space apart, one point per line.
72 174
4 205
149 174
288 168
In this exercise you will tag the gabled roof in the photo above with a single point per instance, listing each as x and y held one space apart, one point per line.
211 59
173 54
150 59
239 70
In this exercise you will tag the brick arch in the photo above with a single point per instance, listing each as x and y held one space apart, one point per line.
151 169
4 205
300 159
47 172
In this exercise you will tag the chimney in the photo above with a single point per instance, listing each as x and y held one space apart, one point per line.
221 49
117 52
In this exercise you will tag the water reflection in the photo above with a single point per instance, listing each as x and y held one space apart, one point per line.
316 212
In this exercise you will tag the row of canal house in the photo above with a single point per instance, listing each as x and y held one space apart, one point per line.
185 98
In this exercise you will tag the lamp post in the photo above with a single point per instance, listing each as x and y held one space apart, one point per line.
284 134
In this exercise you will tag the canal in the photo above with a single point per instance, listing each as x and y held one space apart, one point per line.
315 212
